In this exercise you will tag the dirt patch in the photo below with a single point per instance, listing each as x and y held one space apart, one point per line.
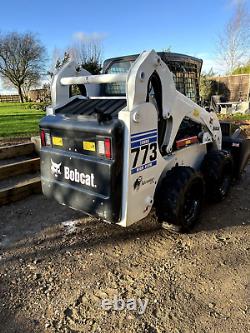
246 127
57 267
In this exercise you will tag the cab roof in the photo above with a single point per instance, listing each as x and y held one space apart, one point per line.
167 57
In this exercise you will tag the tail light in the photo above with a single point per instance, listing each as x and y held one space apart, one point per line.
107 144
104 148
45 138
42 135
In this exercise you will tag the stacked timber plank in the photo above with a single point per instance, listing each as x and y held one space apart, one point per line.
19 172
234 87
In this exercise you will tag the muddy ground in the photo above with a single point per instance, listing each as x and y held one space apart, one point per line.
56 267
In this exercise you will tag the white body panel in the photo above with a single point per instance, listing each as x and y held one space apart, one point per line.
137 202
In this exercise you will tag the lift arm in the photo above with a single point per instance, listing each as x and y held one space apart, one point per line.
175 106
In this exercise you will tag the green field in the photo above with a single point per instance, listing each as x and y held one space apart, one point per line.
19 120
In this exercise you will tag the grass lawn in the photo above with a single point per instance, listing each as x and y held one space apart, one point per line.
235 117
19 120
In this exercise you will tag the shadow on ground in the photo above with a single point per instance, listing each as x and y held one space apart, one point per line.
37 223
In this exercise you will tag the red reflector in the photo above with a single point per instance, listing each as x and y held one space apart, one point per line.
42 135
186 141
107 144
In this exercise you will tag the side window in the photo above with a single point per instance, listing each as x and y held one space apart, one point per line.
190 86
186 78
179 82
117 88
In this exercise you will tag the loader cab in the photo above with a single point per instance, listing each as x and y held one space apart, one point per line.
186 72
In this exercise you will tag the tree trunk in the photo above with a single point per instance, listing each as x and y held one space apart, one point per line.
20 93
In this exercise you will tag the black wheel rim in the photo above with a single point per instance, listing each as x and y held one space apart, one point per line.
225 182
192 205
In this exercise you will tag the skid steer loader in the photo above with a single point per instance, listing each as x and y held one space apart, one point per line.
131 141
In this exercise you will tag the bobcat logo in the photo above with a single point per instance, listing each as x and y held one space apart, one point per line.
55 168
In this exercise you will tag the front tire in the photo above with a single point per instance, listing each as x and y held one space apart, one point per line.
179 199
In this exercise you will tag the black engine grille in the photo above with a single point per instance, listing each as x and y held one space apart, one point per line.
89 107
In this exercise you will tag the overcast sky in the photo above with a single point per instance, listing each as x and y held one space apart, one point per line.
124 27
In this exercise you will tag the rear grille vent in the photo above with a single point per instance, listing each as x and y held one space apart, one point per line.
88 107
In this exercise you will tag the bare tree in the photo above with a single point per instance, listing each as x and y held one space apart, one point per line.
30 82
87 52
22 59
234 43
57 61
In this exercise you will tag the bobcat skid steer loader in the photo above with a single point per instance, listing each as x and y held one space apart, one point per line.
149 145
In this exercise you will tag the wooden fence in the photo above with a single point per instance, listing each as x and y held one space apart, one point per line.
234 87
35 95
9 98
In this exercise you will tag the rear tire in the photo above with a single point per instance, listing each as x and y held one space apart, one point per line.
217 168
179 199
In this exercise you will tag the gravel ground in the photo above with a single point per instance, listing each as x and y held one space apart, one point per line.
57 266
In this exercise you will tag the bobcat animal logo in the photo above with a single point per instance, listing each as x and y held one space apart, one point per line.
137 183
55 168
